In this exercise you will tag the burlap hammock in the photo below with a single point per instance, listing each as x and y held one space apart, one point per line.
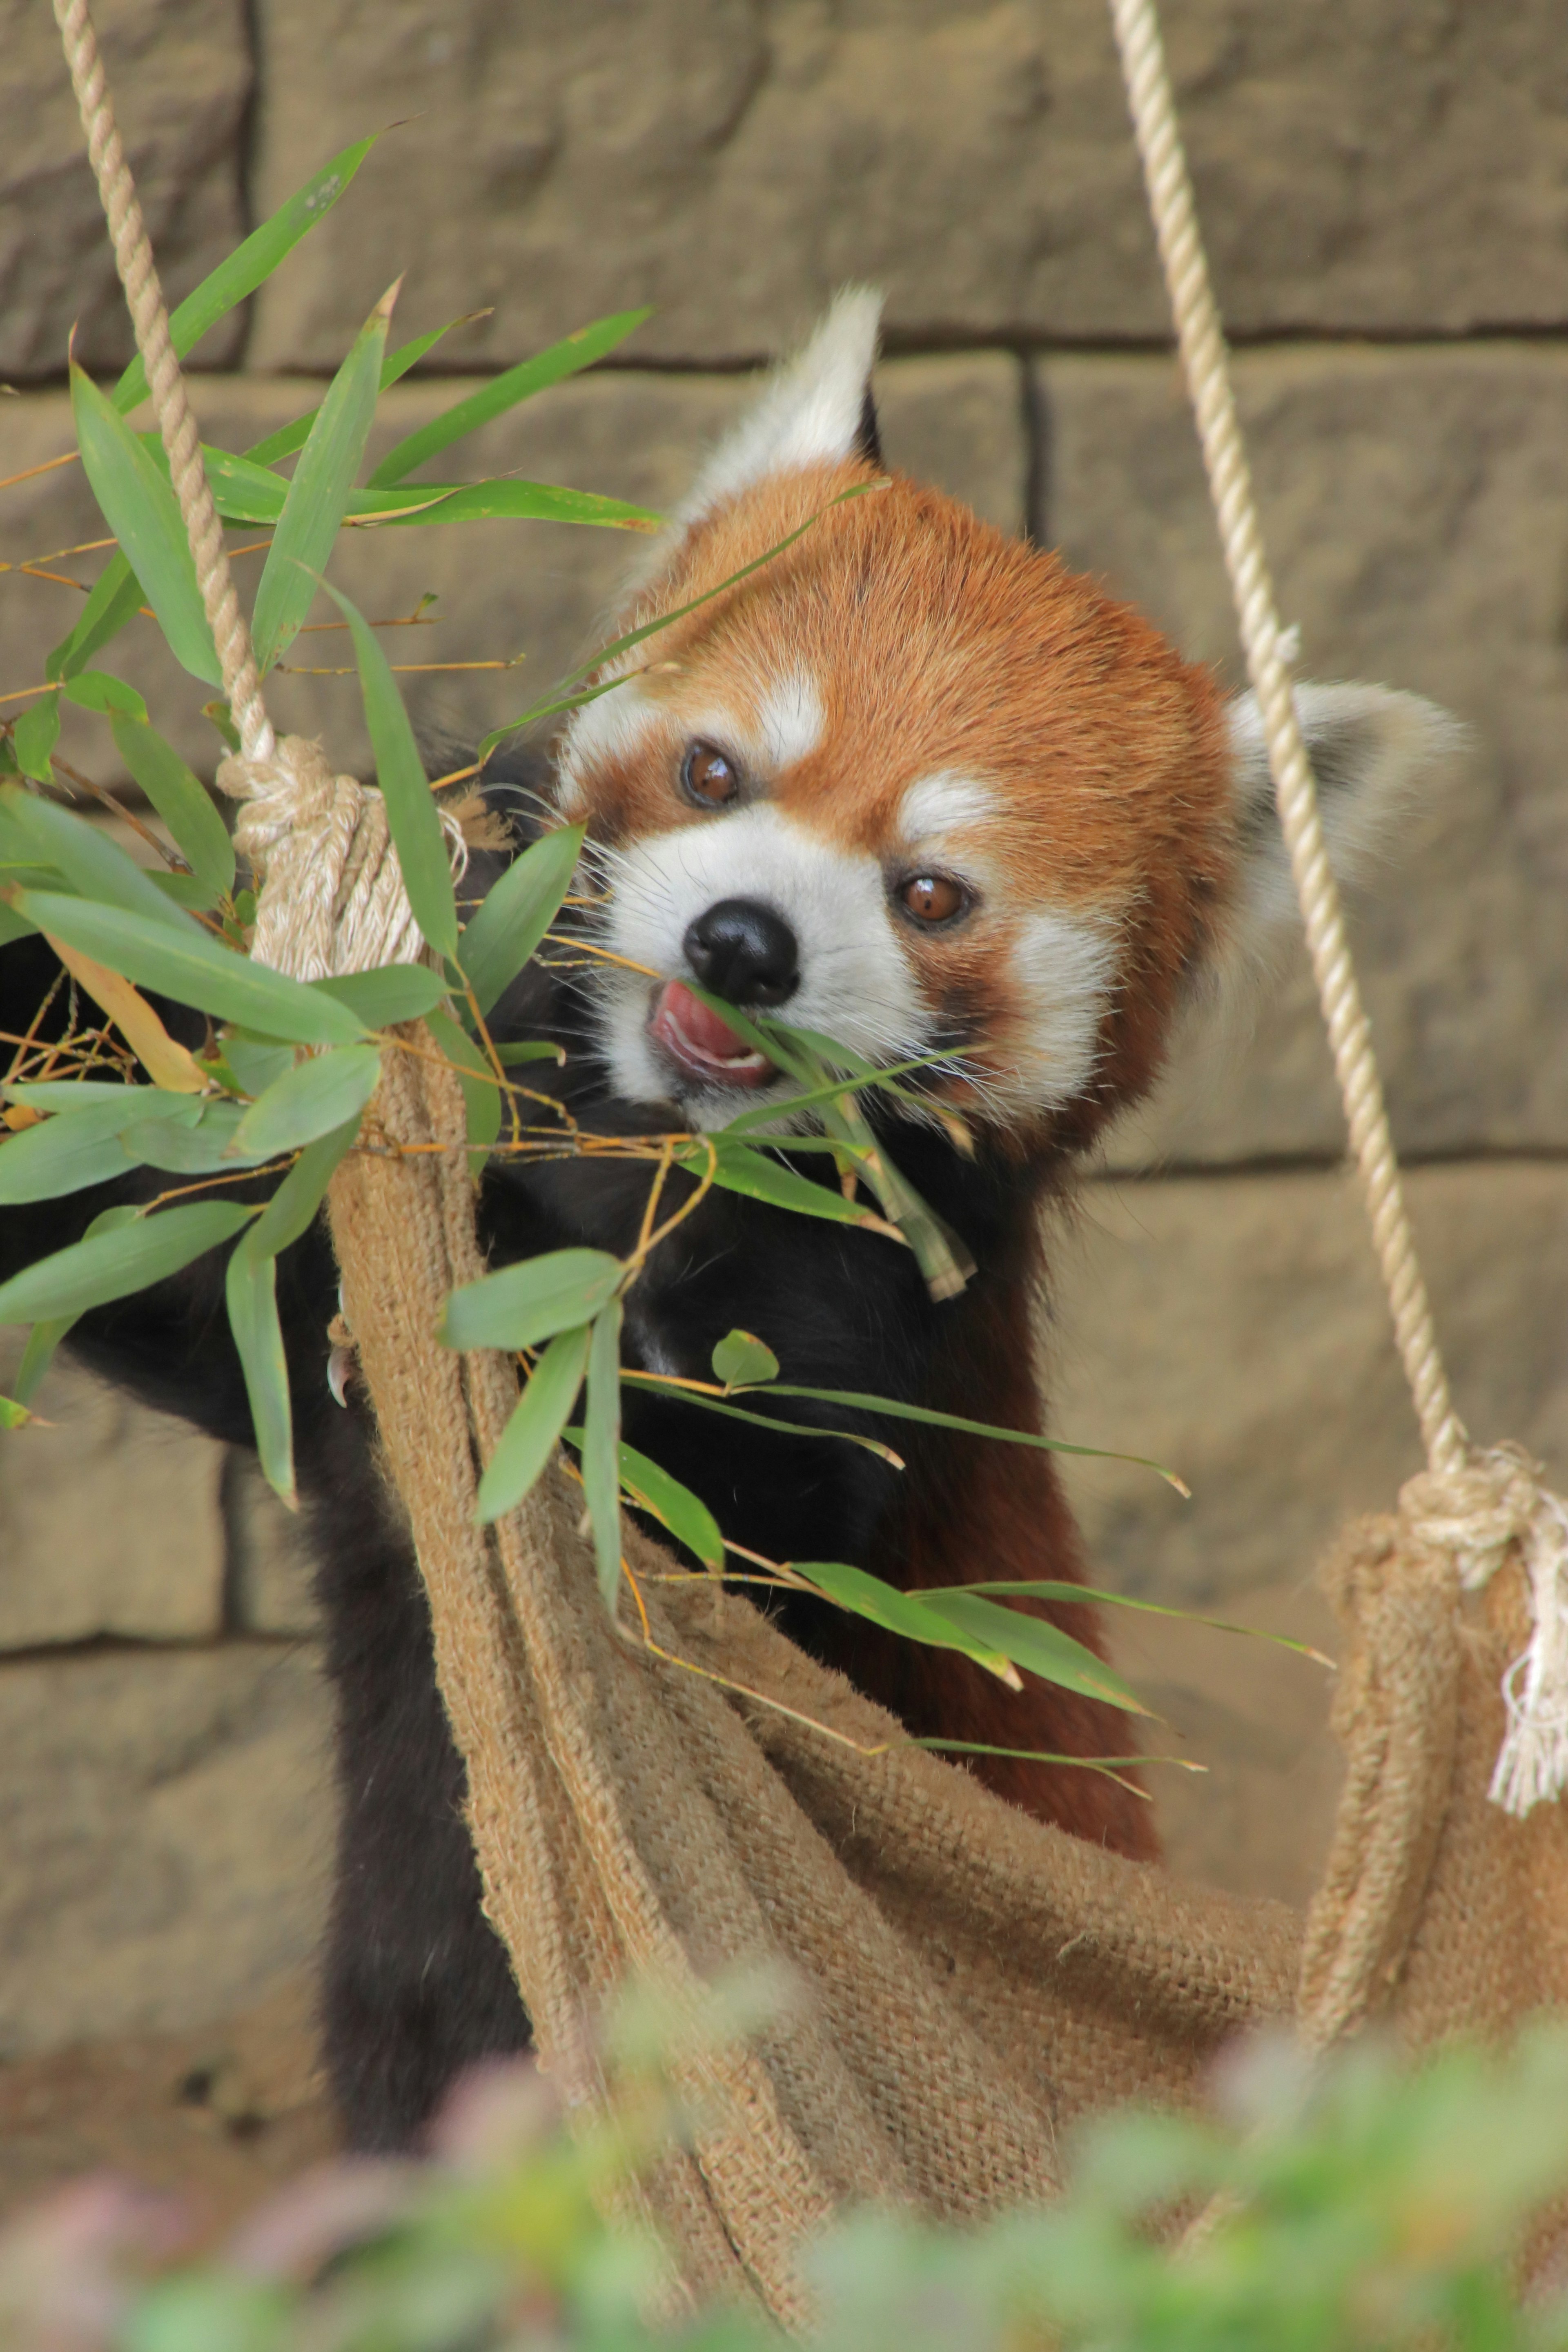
969 1980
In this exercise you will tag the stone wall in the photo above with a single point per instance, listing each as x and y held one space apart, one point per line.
1385 187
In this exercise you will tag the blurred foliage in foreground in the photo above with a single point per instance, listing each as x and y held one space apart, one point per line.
1363 2207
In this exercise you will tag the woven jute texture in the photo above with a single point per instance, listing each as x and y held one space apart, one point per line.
967 1981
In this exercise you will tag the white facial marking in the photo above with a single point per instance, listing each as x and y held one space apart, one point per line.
856 983
941 804
614 726
790 724
1063 965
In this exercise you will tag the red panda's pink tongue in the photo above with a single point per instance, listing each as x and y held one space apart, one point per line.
693 1034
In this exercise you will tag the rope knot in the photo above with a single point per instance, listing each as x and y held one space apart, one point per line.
330 893
1495 1506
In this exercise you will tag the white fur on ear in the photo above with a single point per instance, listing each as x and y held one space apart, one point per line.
811 412
1370 746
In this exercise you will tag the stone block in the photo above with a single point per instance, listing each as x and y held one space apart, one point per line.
169 1820
1234 1328
1415 509
180 74
1368 164
538 590
270 1564
110 1517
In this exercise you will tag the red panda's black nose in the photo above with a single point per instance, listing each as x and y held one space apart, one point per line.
744 952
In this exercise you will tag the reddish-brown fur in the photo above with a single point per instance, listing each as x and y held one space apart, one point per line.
936 644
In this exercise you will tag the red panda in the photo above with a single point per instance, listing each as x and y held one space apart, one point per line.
911 783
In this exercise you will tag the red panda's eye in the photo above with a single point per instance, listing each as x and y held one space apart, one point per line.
932 897
708 776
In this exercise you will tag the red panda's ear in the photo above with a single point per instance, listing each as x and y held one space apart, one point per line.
1377 756
815 410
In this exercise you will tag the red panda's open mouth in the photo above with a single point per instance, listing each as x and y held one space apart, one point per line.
701 1045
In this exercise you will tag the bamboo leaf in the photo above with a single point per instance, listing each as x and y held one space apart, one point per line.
391 993
900 1410
900 1613
116 597
90 861
396 364
528 1050
45 1337
532 1301
531 1433
166 1062
111 1265
1055 1588
411 810
204 1147
759 1177
312 1099
502 499
68 1095
743 1360
686 1515
96 689
601 1448
481 1094
199 832
319 494
250 264
680 1393
190 966
140 509
292 1209
503 392
34 736
514 916
65 1153
250 1292
1034 1643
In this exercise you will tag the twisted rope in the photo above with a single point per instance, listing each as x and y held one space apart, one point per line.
1480 1506
1203 351
149 317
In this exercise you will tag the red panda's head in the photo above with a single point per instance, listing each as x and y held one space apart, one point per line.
916 785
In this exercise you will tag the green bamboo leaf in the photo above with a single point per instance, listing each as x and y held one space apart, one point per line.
45 1337
759 1177
13 926
34 736
531 1433
514 916
203 1146
525 1050
502 499
112 1265
14 1413
395 365
92 864
482 1103
188 964
411 810
140 509
116 598
393 992
312 1099
532 1301
250 1292
900 1410
134 1101
256 1062
96 689
679 1394
237 277
601 1448
199 832
66 1153
686 1515
898 1612
1055 1588
292 1209
242 490
317 495
1034 1643
503 392
743 1360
